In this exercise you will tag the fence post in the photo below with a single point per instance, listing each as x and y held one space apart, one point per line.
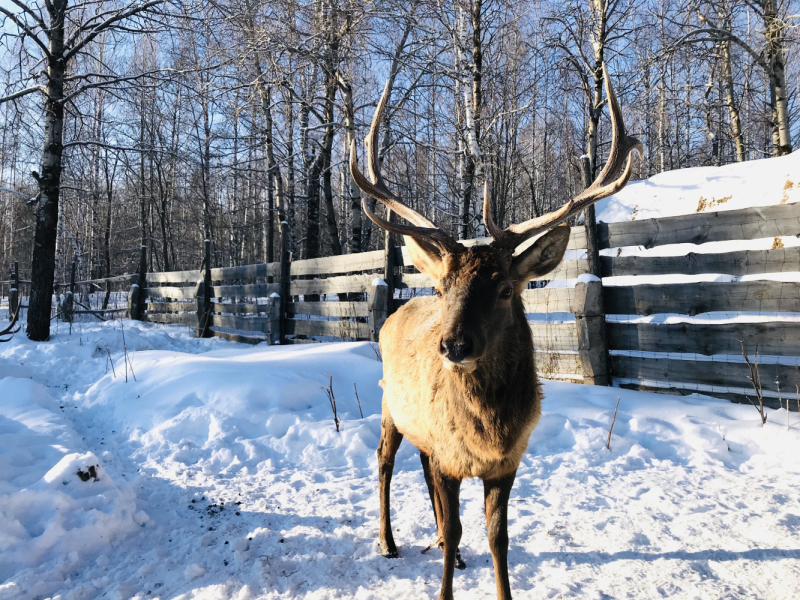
388 264
591 323
590 222
378 308
138 293
204 316
68 306
274 319
13 293
285 284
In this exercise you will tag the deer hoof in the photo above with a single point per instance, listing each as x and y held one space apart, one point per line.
460 564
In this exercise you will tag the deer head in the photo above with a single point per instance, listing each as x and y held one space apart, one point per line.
480 288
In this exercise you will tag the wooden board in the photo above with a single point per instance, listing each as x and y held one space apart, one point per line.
328 309
345 329
242 323
704 372
237 309
168 307
777 339
547 300
555 337
175 293
745 262
699 228
332 265
175 277
550 364
235 337
180 319
577 240
568 269
696 298
331 285
251 290
245 272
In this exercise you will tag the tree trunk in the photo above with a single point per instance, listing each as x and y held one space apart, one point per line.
730 100
44 243
774 31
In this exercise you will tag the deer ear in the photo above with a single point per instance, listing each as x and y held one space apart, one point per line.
425 256
541 258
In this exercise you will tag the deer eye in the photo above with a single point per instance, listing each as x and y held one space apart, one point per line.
438 292
506 293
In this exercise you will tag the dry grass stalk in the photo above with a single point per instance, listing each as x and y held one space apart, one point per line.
610 429
755 379
329 390
358 400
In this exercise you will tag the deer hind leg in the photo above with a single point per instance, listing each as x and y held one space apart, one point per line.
446 490
387 448
496 493
426 469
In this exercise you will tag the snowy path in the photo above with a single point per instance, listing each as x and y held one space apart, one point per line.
695 499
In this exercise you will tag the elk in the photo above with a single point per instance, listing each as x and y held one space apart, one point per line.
459 376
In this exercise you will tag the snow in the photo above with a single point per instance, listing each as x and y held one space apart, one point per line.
706 189
220 474
587 278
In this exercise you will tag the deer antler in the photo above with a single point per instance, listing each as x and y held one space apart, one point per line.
622 146
10 331
422 230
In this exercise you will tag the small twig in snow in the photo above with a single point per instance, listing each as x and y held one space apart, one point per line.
608 443
111 360
358 400
329 390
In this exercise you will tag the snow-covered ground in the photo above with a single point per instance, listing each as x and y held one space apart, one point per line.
218 473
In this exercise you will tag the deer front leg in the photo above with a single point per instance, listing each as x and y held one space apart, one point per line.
446 490
387 448
496 493
426 469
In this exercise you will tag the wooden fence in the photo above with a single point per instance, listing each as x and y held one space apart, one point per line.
669 334
336 298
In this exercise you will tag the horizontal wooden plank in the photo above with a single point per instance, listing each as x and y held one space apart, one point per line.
333 265
180 319
343 329
238 309
167 307
777 339
331 285
236 337
577 241
128 278
744 262
551 365
547 300
250 290
176 293
696 298
554 337
699 228
242 323
568 269
245 272
328 309
175 277
704 372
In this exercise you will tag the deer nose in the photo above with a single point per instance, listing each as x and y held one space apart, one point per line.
456 350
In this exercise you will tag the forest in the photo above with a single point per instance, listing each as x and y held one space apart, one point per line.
161 123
